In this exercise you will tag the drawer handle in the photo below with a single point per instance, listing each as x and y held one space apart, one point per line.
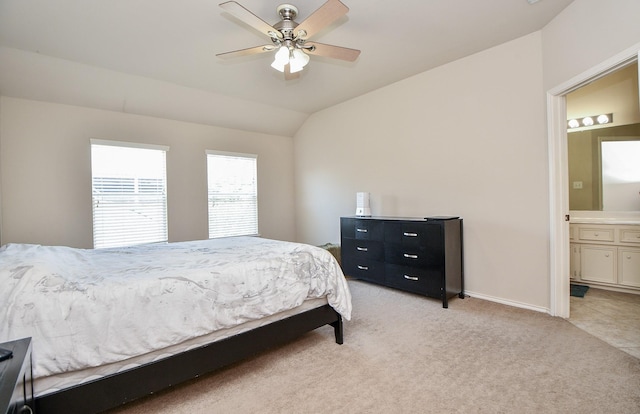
362 249
362 230
363 267
411 278
410 256
410 234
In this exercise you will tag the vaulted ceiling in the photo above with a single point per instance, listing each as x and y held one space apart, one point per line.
158 57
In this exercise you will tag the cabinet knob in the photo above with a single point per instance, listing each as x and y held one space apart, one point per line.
363 267
410 234
361 249
411 278
361 230
410 256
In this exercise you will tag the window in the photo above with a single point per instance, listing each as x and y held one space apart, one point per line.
129 191
233 194
620 174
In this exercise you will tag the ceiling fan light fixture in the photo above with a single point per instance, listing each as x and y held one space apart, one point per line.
298 60
281 59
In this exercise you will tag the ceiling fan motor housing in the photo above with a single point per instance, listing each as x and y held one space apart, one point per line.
285 26
287 11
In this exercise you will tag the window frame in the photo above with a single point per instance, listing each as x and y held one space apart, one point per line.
113 239
254 224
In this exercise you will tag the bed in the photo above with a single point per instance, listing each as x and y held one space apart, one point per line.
109 326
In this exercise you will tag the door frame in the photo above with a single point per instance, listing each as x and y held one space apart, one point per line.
559 253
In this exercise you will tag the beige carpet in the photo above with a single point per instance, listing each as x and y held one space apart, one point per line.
406 354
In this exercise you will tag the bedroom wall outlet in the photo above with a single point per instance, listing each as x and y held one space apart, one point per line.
577 185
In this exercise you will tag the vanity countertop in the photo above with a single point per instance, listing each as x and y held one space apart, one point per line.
600 220
620 218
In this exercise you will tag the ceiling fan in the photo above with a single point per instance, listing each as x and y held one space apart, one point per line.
290 38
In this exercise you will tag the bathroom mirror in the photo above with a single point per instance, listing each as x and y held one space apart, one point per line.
604 161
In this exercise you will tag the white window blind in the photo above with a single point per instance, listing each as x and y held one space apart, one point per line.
233 194
129 191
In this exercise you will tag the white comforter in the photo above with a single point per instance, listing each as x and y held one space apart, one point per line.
85 308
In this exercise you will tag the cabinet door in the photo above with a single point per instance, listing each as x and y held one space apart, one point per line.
574 262
598 263
629 265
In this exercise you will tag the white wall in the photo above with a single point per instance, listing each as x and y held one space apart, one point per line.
466 139
585 34
45 171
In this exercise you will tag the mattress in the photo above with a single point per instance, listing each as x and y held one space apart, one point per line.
52 383
89 308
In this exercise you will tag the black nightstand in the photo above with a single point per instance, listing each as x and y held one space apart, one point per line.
16 388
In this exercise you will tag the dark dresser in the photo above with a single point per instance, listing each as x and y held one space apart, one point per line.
16 389
419 255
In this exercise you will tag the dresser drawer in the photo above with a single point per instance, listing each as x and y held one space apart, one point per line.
410 233
363 249
413 279
630 235
412 256
363 269
362 229
596 234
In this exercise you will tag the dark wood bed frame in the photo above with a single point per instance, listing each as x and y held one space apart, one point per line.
117 389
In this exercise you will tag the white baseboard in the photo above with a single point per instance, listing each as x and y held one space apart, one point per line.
507 302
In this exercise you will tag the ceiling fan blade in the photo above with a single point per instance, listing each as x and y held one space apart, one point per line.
334 52
241 13
328 13
246 52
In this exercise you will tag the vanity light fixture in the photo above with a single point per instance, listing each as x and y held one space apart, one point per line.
588 121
